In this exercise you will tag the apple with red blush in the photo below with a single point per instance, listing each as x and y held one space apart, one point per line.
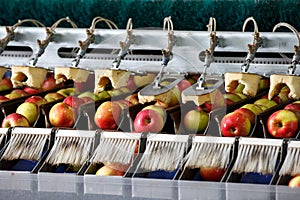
212 174
235 124
15 119
107 115
62 115
283 124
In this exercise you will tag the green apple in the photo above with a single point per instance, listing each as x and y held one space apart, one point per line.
232 96
114 92
196 121
68 91
256 109
239 88
90 94
53 96
265 102
264 84
243 96
29 110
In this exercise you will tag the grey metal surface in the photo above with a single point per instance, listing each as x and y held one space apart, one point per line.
188 46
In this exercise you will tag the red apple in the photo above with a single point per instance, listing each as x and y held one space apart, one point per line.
29 110
38 100
32 91
235 124
15 119
61 115
248 113
294 182
292 106
3 98
74 102
87 85
148 120
161 110
211 174
49 83
196 121
107 115
282 124
131 84
184 84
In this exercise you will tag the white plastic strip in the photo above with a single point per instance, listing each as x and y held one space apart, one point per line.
75 133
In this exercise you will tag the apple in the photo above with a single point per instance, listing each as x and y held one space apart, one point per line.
3 98
148 120
243 96
15 119
239 88
91 95
264 84
87 99
143 80
285 90
282 124
235 124
31 90
232 96
112 170
265 102
38 100
49 83
87 85
68 91
53 96
184 84
293 106
212 174
28 110
133 98
5 84
74 102
16 93
196 120
294 182
248 113
124 90
107 115
114 92
124 104
61 115
161 110
256 109
131 84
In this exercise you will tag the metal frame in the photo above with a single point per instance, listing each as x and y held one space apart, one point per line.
189 46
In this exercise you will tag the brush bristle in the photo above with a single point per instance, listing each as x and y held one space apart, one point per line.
114 150
256 158
291 164
70 150
2 136
25 146
214 155
163 155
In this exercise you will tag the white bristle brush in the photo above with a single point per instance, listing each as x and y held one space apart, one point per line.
72 147
116 147
257 155
209 151
291 164
26 143
163 152
3 134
